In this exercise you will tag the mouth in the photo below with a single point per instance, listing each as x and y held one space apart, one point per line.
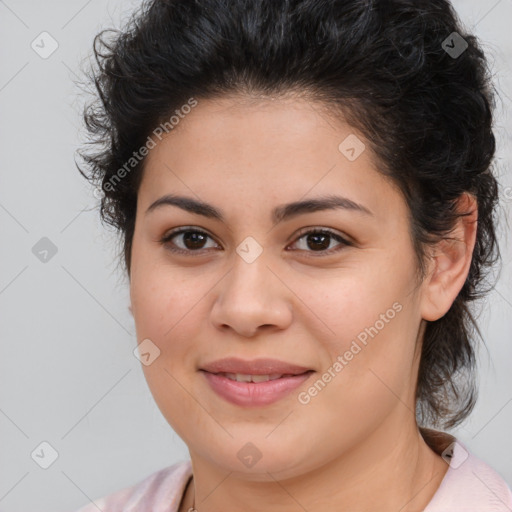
254 383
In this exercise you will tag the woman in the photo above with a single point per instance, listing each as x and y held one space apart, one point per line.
306 202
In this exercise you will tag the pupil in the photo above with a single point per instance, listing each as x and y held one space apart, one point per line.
319 245
193 239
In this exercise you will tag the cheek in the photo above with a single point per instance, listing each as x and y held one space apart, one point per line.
365 318
347 302
160 295
169 309
163 304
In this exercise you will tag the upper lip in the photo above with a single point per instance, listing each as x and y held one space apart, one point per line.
253 367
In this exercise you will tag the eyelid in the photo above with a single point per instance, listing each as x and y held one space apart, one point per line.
322 229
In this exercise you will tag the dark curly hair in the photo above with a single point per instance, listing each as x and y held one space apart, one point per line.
405 73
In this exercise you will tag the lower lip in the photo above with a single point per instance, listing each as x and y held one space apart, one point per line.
254 393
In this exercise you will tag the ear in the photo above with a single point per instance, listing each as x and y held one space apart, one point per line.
450 262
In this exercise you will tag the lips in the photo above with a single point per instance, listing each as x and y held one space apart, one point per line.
258 382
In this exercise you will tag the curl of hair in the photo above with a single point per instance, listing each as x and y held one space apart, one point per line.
427 116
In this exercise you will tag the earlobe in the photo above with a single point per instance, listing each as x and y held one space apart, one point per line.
450 262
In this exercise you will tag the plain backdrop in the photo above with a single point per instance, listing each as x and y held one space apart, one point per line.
68 374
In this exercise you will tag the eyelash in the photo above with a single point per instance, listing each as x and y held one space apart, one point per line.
178 231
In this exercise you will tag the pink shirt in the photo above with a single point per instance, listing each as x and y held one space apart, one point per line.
469 485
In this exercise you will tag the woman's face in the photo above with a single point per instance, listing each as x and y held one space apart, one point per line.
256 286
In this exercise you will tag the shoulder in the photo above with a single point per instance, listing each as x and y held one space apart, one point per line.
160 491
469 484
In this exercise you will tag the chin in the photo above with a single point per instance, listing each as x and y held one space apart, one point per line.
255 459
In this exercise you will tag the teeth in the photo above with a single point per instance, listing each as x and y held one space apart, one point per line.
241 377
260 378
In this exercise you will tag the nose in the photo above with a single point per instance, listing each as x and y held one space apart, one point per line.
252 298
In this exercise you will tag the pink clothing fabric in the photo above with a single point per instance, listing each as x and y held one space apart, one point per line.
469 485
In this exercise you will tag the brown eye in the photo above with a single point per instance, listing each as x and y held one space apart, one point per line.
319 241
189 240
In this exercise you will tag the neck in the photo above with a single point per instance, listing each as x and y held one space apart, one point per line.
392 469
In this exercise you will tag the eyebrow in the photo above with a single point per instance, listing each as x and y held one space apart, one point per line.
279 214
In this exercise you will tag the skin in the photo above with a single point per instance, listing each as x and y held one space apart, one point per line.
355 446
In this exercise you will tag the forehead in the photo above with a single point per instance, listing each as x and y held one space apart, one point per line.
239 150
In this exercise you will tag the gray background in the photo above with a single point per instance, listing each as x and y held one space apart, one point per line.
68 375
